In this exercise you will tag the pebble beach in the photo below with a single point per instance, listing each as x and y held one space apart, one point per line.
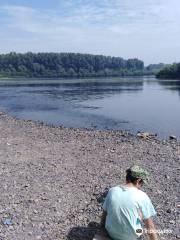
52 178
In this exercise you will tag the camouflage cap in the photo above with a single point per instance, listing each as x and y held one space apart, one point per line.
139 172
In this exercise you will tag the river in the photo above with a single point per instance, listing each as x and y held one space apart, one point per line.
131 103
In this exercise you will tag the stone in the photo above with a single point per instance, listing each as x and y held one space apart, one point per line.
172 222
169 210
143 135
172 137
38 237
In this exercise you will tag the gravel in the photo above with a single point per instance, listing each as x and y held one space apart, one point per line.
52 178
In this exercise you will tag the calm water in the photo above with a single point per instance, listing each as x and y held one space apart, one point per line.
133 104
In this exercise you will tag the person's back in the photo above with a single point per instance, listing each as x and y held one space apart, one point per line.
125 208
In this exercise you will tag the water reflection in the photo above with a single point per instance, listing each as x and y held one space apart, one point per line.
173 85
76 89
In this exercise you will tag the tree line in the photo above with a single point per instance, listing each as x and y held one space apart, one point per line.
171 71
67 65
153 69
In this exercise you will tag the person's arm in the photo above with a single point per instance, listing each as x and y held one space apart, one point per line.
151 230
103 219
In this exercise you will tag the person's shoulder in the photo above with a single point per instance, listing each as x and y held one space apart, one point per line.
115 189
142 195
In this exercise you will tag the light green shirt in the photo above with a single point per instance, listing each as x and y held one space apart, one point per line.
126 207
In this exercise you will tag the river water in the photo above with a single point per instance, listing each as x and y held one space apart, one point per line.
132 103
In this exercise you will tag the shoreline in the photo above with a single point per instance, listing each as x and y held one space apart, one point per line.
75 77
51 177
127 133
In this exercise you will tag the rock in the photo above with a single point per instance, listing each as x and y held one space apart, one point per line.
145 135
38 237
169 210
172 137
112 151
172 222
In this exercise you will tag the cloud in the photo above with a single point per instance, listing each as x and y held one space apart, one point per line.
25 18
112 14
111 27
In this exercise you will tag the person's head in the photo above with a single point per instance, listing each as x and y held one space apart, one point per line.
137 176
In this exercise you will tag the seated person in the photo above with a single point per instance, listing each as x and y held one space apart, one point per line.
125 208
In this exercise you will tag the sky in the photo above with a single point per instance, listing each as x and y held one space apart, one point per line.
144 29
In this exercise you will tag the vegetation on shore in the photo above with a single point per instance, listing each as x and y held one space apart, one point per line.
71 65
66 65
154 68
171 71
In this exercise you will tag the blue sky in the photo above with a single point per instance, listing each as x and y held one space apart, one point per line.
147 29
